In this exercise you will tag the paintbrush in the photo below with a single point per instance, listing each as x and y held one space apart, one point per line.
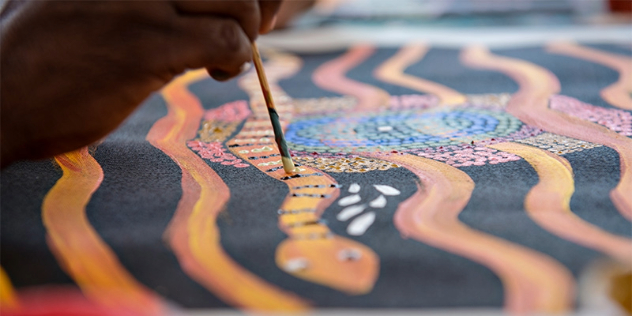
279 138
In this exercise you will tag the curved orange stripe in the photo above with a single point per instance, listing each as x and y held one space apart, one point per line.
8 298
331 76
533 282
619 93
547 203
322 252
530 105
77 246
392 71
193 232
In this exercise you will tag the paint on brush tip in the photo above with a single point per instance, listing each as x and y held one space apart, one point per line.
288 165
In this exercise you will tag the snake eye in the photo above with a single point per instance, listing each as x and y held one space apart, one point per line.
296 265
349 254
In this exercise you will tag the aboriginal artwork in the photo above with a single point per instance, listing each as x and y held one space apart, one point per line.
474 182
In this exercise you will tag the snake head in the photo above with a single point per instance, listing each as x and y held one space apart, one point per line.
336 262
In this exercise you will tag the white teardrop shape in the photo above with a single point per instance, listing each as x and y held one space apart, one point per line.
359 225
295 265
386 190
354 188
348 200
380 202
350 212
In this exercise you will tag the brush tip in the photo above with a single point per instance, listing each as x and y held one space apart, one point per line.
288 164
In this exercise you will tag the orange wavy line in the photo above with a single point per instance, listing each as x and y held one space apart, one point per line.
8 298
547 203
530 105
533 282
193 232
618 93
77 246
392 71
331 76
322 253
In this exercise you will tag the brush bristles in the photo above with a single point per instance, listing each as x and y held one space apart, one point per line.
288 164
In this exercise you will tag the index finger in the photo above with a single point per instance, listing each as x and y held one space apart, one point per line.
245 12
268 9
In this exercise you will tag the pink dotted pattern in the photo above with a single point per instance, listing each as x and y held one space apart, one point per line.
468 156
215 152
616 120
410 101
230 112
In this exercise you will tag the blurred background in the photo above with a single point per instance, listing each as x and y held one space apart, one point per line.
335 24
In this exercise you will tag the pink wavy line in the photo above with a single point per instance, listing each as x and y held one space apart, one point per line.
331 76
547 203
531 105
618 93
533 282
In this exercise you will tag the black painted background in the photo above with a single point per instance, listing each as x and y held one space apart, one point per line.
141 189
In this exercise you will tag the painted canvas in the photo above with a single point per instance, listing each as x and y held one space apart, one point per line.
427 178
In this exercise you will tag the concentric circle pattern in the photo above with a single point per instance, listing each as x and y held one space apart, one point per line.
401 130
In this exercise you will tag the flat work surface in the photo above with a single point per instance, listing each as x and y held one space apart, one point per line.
431 178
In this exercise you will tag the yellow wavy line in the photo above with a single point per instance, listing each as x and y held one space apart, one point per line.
193 233
531 105
547 203
392 71
533 282
77 246
619 93
8 298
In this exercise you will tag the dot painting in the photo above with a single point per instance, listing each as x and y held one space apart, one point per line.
395 164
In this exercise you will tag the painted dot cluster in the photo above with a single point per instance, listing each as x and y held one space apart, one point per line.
345 164
458 156
323 105
616 120
216 131
399 130
557 144
215 152
413 101
498 101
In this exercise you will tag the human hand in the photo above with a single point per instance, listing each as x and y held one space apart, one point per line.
72 71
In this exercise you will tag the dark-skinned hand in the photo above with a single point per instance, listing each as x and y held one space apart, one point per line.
72 71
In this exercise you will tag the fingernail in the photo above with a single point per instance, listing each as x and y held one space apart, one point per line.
245 67
220 75
270 27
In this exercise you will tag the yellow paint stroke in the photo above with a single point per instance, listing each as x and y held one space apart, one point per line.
547 203
78 247
533 282
331 76
392 71
531 105
308 239
618 94
8 298
193 233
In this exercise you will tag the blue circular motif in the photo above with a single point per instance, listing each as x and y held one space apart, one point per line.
399 130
